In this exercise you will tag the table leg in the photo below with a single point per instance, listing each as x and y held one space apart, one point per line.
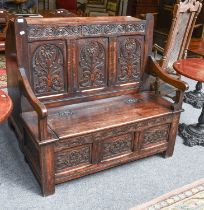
195 97
193 134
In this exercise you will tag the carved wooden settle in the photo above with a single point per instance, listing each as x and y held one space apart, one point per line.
81 102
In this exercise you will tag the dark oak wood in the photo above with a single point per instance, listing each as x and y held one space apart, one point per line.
81 102
193 69
6 106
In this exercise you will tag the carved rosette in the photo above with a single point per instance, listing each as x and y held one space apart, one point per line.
74 157
47 65
129 60
156 134
120 145
92 65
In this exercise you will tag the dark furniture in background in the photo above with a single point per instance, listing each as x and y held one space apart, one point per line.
67 4
192 68
105 8
4 19
137 7
57 13
164 20
165 17
82 104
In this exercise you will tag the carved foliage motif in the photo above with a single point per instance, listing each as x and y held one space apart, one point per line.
47 64
73 158
90 138
92 65
39 32
154 135
129 60
121 145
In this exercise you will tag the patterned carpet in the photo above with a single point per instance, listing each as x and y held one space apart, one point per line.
3 77
189 197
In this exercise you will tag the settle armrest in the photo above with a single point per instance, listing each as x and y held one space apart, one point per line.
181 86
156 69
28 92
39 107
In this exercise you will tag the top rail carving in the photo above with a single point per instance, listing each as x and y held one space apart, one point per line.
39 32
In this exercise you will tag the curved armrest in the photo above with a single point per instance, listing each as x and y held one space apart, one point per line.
39 107
181 86
161 74
36 104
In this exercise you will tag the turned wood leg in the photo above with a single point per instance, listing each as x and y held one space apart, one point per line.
47 169
173 133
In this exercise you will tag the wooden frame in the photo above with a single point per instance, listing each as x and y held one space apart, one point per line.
79 95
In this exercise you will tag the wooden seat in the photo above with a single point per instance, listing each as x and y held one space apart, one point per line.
95 115
80 95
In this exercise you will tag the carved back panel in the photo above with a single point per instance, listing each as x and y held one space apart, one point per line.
71 58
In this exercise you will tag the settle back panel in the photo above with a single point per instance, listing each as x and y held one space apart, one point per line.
81 59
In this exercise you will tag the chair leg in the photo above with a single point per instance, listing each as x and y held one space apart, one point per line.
47 169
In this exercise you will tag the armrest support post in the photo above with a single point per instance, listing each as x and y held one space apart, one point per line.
36 104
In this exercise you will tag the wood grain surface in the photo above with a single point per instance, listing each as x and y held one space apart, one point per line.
197 46
5 106
192 68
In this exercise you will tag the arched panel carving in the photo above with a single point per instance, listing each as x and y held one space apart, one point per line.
48 74
129 60
92 65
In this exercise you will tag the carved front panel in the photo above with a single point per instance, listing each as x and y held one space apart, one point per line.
48 70
92 58
114 132
129 59
156 134
74 157
117 146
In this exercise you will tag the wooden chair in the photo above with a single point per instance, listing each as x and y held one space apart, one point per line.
184 18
